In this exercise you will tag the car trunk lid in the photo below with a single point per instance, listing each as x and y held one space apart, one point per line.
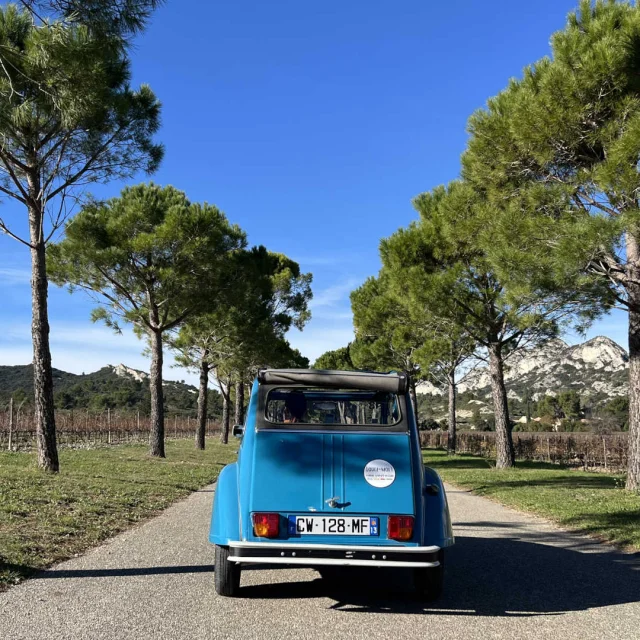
309 471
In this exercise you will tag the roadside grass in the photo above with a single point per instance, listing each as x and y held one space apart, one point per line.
46 518
592 503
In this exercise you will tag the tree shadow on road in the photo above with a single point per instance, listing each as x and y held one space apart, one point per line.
11 574
123 571
57 573
485 577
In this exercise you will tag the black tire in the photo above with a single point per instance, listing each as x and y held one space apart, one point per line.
227 574
429 582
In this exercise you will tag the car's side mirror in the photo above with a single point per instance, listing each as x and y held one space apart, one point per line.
238 430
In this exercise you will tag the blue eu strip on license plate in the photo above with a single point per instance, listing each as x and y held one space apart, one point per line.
334 525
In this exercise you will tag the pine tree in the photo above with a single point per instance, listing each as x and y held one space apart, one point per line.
386 337
153 259
105 18
394 333
561 146
442 265
245 330
336 360
68 119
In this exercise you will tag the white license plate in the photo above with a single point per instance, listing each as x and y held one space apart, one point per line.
334 525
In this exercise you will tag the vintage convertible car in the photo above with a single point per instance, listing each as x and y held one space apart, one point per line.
329 474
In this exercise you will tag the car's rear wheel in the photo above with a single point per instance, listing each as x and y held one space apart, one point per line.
429 582
227 574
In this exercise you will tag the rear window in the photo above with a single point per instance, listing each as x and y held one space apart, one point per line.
290 407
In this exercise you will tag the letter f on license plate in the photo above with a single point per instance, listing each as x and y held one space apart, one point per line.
334 526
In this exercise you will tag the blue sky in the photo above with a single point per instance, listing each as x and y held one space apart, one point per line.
312 125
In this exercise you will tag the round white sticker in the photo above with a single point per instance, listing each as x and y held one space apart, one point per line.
379 473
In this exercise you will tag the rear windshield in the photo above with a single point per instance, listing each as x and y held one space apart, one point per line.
289 407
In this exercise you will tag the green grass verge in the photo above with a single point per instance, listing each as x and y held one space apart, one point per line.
593 503
46 518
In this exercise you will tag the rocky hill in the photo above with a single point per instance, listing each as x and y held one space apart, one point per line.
116 387
596 370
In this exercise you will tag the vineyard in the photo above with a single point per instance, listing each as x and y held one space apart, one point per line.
84 429
584 450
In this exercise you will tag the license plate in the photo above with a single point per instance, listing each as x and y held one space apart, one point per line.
334 526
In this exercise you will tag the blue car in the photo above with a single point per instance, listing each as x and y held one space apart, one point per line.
330 475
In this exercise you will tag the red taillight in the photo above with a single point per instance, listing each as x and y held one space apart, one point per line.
266 525
400 528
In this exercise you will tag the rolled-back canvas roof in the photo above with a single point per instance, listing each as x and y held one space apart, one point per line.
391 382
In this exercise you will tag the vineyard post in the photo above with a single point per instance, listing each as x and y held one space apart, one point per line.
604 447
549 448
18 424
108 425
10 423
175 425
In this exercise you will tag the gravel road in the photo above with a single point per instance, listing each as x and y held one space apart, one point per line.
509 576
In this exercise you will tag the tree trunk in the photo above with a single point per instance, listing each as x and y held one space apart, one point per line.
239 415
633 292
224 435
414 398
42 374
157 397
452 439
202 402
504 444
633 468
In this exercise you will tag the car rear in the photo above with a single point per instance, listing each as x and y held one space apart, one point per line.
330 475
336 486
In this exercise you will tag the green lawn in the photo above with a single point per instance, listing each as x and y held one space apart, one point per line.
47 518
594 503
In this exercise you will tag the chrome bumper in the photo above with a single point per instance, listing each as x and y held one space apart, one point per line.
312 555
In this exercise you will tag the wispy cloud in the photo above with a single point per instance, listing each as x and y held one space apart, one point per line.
96 335
332 260
331 320
334 295
14 277
313 342
79 361
78 335
331 314
84 348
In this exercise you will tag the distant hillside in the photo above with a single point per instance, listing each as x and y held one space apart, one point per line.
114 387
596 370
